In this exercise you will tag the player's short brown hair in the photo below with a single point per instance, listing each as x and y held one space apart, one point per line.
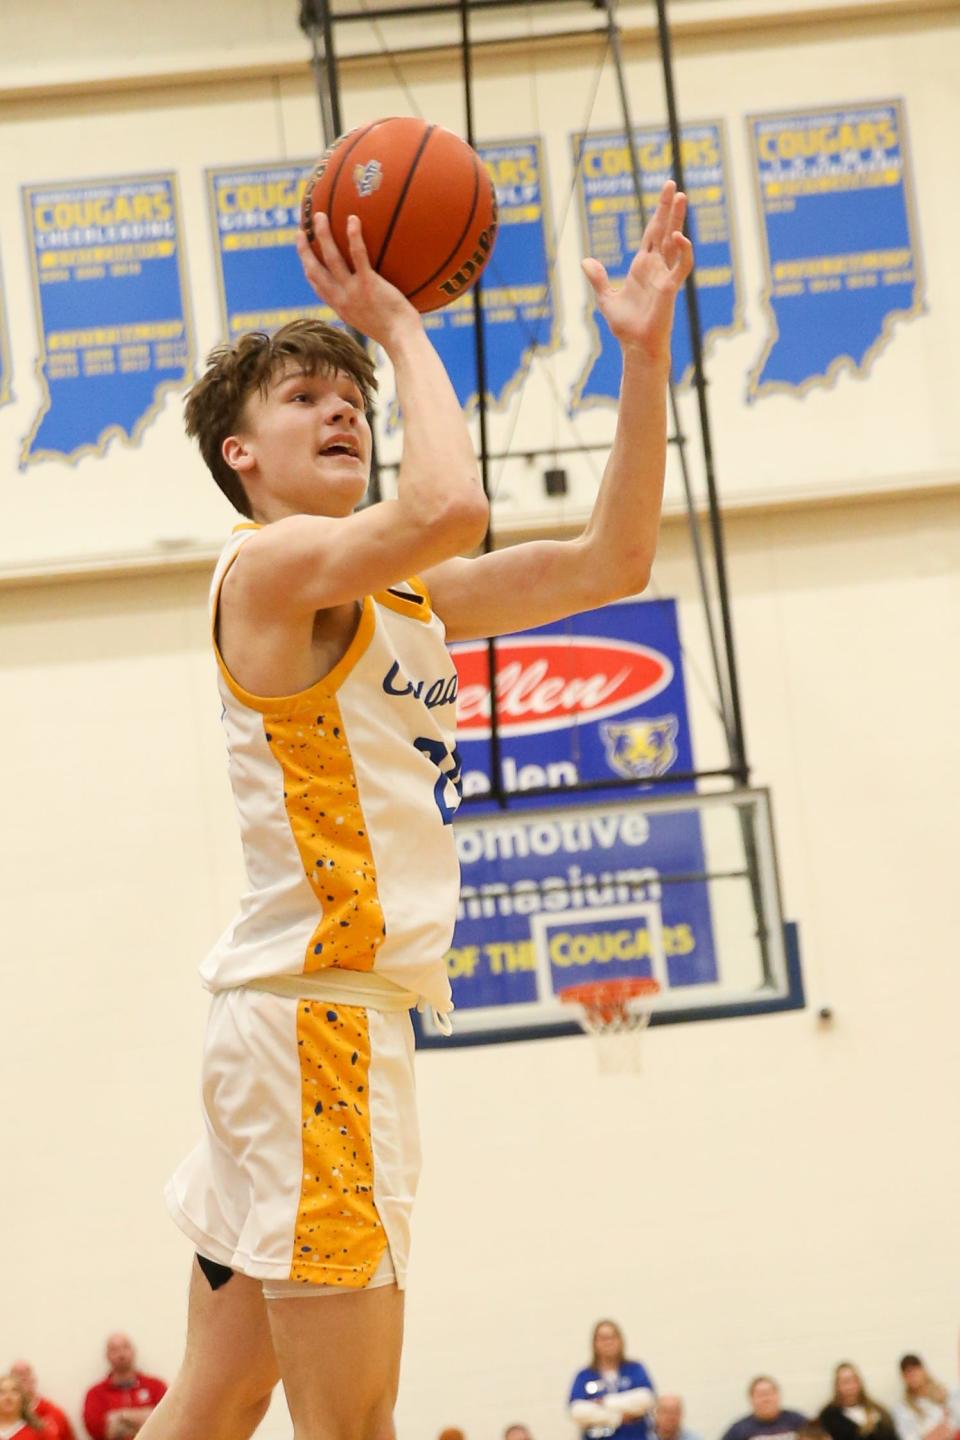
213 408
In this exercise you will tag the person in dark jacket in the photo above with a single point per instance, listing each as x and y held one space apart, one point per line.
852 1414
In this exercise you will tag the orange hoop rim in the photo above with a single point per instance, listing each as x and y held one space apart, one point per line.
609 996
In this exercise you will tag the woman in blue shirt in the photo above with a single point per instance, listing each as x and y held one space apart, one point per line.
613 1394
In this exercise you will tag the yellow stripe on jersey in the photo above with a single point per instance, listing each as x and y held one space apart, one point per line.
415 604
328 826
338 1237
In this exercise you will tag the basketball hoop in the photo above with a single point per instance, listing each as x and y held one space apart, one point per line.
615 1013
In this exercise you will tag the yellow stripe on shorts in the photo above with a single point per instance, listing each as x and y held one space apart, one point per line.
338 1238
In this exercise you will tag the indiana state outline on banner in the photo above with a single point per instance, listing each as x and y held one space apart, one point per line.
520 316
840 241
611 231
113 314
557 888
255 210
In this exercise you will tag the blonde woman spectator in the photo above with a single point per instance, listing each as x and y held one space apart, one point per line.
852 1414
16 1421
924 1413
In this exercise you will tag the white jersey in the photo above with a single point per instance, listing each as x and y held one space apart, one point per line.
346 793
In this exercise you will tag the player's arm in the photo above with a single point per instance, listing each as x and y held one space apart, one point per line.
533 583
305 563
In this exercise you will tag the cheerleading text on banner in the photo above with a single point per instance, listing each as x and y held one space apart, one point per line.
112 308
256 216
840 240
518 310
597 697
612 232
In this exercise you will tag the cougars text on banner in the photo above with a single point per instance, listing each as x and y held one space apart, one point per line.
841 251
518 308
612 232
256 215
597 697
112 310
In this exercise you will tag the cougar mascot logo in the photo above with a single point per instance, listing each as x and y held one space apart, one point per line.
638 749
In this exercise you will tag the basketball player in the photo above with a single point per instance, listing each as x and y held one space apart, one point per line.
339 702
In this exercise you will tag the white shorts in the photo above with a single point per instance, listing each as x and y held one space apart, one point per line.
310 1158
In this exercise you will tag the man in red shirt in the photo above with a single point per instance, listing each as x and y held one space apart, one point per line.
116 1408
49 1414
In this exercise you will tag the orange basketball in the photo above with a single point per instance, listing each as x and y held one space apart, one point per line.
426 203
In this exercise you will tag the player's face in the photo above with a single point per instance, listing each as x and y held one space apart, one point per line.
310 440
766 1400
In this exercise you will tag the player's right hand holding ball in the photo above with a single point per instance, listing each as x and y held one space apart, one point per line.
350 285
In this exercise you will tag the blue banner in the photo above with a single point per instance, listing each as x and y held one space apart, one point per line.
112 309
558 896
612 232
256 215
518 309
841 250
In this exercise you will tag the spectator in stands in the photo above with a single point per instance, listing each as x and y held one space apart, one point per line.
667 1420
852 1414
16 1422
119 1405
517 1432
612 1394
451 1434
924 1413
767 1416
45 1410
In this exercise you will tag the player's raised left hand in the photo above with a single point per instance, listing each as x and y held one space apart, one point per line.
640 310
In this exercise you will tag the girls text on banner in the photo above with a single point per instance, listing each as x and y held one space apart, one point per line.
256 215
518 307
840 240
112 309
612 232
599 696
